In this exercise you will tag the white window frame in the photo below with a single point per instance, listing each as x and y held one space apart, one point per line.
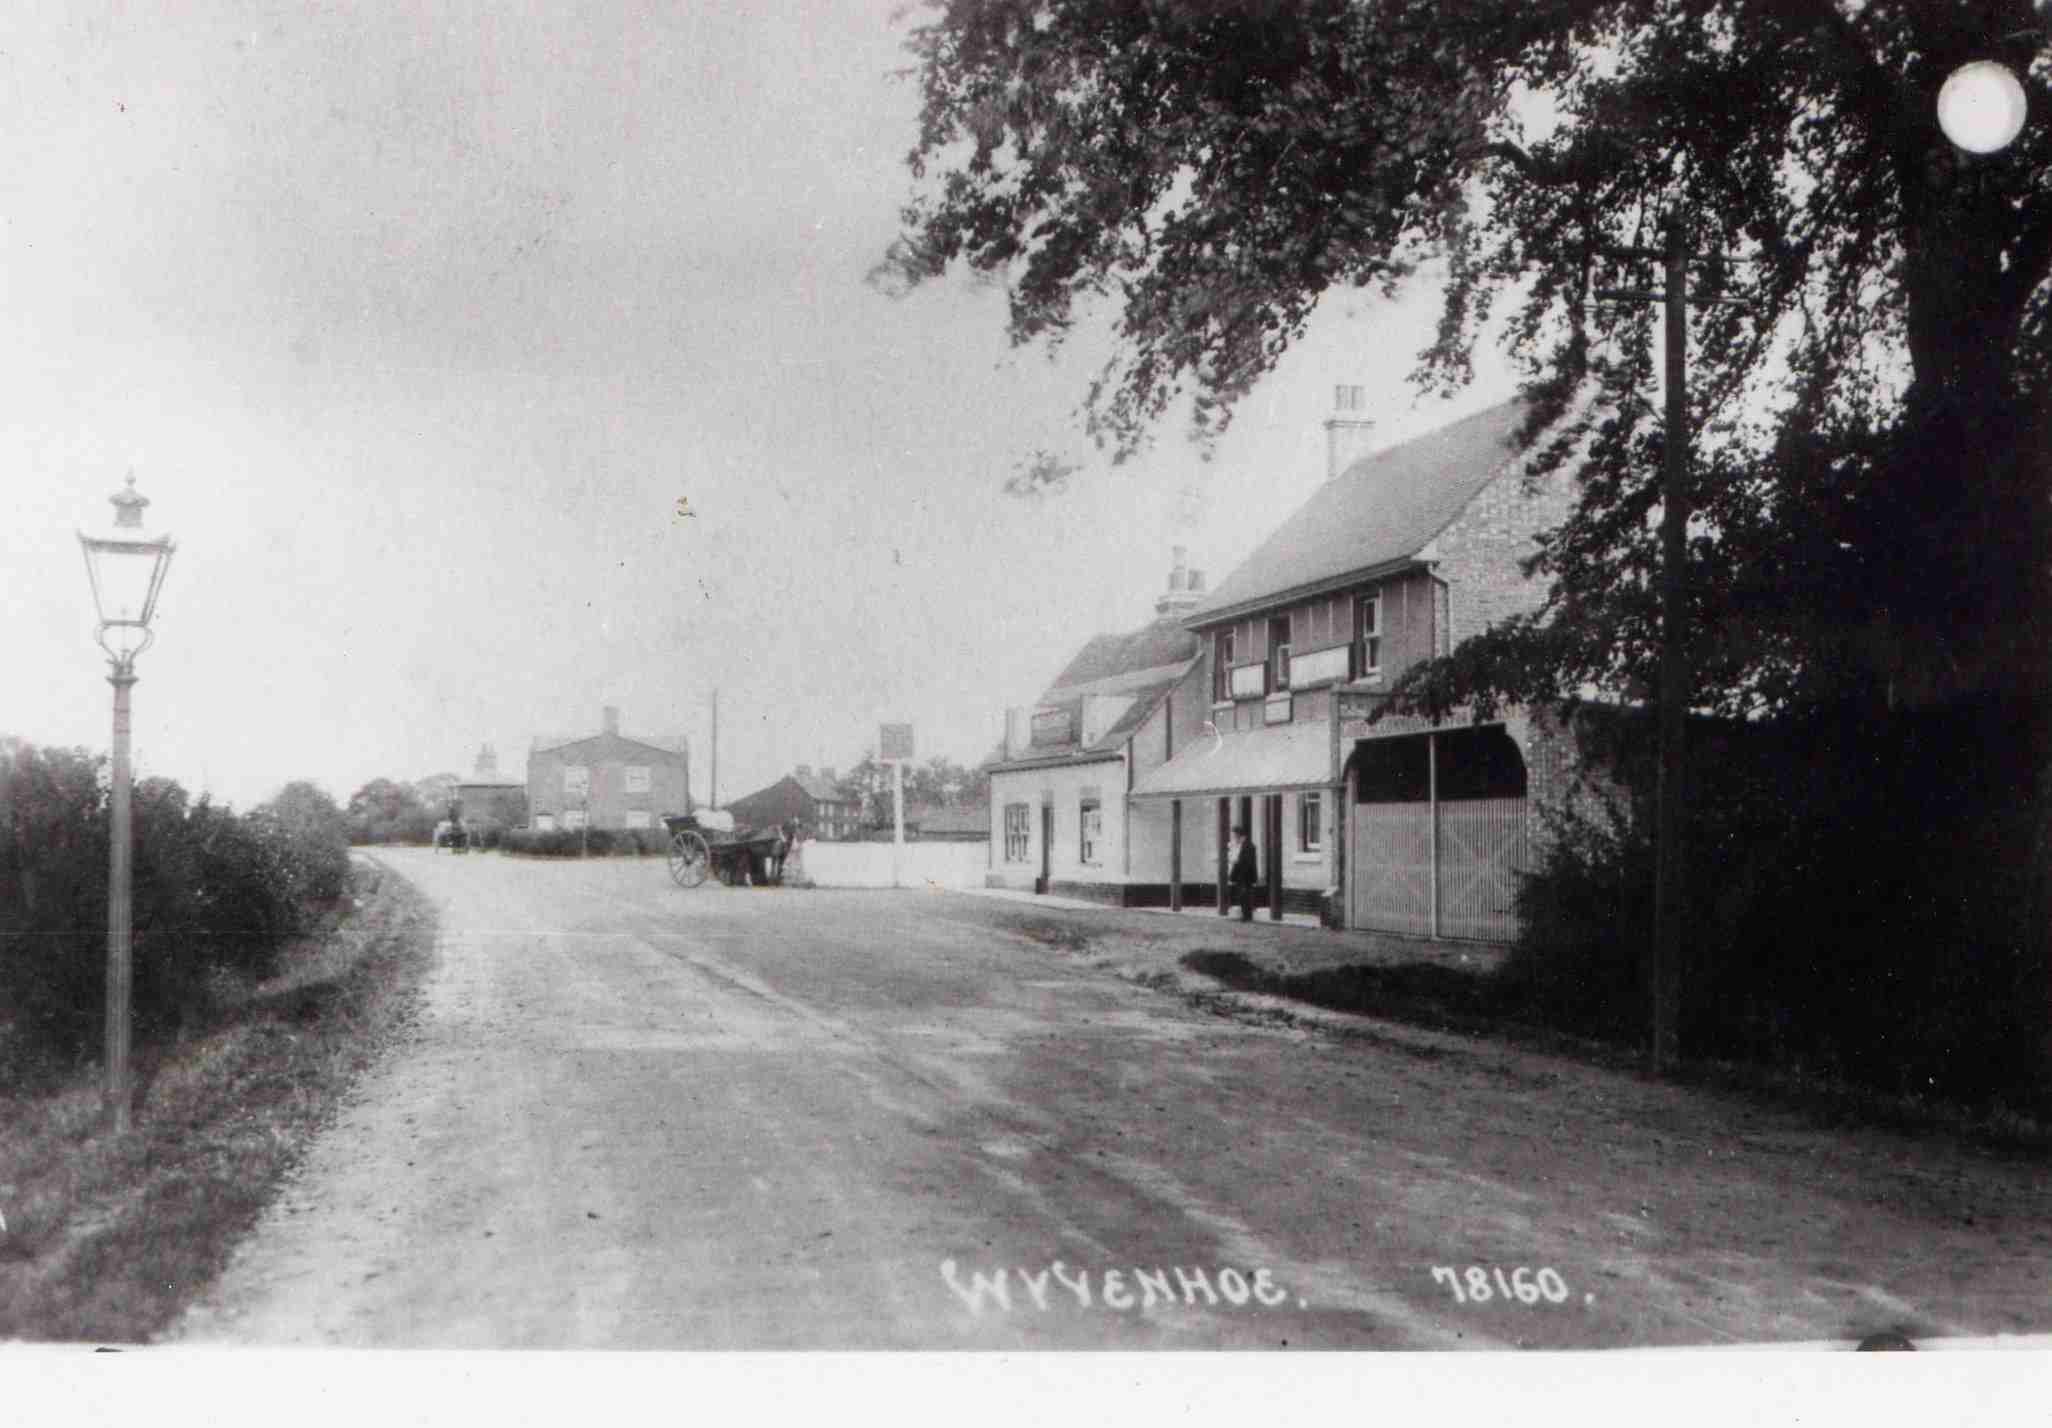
637 818
573 819
634 778
577 779
1090 832
1019 833
1371 633
1311 825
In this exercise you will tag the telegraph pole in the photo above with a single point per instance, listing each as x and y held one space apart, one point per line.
1670 878
714 800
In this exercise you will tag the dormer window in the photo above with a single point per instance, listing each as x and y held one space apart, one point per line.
1371 634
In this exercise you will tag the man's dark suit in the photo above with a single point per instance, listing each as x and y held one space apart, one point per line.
1245 874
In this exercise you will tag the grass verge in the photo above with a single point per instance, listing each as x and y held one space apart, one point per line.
109 1237
1484 1003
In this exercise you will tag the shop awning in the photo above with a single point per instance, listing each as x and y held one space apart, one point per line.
1288 756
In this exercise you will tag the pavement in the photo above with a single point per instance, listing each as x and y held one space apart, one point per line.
633 1115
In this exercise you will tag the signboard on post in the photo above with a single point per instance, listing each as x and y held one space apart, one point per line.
894 742
894 747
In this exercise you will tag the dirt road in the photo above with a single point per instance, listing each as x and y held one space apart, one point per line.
640 1116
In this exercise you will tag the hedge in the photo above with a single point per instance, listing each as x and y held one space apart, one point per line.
578 842
214 892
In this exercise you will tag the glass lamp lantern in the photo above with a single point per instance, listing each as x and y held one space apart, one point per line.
127 574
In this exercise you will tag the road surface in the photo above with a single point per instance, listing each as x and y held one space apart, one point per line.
640 1116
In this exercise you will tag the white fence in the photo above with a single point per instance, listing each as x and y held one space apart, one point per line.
868 865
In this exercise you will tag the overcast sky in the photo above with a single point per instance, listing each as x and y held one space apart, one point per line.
416 322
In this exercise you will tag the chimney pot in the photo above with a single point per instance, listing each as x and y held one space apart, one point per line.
1347 430
827 773
612 719
805 770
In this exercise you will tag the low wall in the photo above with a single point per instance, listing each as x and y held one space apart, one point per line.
868 865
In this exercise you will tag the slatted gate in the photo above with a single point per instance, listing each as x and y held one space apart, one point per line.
1477 823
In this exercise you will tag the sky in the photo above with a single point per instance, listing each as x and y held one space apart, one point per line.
423 326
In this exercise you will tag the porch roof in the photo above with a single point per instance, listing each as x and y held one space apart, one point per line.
1295 755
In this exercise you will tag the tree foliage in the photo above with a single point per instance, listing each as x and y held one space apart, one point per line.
1872 514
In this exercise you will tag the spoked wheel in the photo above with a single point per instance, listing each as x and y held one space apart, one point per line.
689 859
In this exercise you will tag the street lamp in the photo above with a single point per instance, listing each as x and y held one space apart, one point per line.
127 573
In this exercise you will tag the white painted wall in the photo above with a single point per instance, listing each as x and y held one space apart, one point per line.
1063 786
868 865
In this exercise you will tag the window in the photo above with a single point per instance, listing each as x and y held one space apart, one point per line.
1310 823
573 818
1222 667
1092 819
1279 653
1371 634
1018 832
637 818
545 822
635 778
576 779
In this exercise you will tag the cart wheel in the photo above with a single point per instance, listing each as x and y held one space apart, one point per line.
688 859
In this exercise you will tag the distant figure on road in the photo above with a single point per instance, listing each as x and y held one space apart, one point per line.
1240 858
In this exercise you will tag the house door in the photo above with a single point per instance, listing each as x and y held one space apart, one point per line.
1439 832
1045 881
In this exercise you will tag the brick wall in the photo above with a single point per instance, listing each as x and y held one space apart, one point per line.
1481 549
607 758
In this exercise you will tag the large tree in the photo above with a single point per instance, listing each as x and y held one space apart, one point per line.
1872 519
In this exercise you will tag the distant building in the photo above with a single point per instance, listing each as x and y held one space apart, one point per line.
815 801
485 795
607 779
946 823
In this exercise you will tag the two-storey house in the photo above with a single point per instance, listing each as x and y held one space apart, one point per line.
1395 825
1060 805
607 779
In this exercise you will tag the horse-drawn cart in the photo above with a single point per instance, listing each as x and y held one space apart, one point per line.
706 843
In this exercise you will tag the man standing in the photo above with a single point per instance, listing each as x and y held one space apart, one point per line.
1240 858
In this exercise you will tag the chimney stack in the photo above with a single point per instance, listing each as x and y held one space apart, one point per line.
1347 430
1183 585
612 724
805 770
487 764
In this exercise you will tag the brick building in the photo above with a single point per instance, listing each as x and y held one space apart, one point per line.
816 802
1396 825
489 799
607 779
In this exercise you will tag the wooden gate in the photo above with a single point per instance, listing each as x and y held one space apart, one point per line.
1445 864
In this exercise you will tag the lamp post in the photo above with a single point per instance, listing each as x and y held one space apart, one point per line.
126 573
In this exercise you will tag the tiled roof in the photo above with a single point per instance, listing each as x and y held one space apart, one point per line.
1380 511
939 818
820 790
667 743
1108 657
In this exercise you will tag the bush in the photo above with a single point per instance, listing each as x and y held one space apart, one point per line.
213 892
1858 895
